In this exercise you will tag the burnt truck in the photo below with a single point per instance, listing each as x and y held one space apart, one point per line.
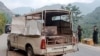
43 33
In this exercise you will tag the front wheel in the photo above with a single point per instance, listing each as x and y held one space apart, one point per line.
30 51
9 46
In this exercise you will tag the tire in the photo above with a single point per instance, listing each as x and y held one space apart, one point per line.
9 46
60 55
30 51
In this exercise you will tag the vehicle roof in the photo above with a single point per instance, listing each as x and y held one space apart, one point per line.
48 11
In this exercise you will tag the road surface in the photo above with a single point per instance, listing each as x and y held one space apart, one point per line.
3 48
85 50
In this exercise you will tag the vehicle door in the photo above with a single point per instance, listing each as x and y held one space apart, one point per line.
14 40
21 42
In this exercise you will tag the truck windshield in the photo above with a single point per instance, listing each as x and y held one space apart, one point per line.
62 17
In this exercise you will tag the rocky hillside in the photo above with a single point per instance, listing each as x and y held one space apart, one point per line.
3 8
93 17
89 21
6 11
84 7
22 10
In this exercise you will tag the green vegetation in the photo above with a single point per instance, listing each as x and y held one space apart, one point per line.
76 14
90 20
87 22
2 22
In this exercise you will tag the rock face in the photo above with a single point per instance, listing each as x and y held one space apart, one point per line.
6 11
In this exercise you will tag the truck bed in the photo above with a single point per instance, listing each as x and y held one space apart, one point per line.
58 40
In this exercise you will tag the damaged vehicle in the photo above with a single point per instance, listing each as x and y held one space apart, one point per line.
47 32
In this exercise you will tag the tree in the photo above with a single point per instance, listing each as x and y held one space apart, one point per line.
2 22
75 13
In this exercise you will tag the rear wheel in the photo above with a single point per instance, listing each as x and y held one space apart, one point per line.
60 55
30 51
